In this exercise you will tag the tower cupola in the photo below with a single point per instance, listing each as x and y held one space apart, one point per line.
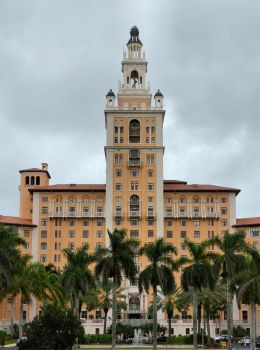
110 99
158 99
134 44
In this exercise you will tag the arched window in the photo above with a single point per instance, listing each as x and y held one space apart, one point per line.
38 180
134 79
32 180
134 200
134 303
27 180
134 131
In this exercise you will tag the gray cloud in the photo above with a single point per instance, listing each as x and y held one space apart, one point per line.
59 58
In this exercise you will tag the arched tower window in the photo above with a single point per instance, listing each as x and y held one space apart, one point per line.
134 79
134 206
32 180
27 180
134 131
38 180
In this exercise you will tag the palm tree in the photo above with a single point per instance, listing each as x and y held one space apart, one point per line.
10 262
211 301
230 262
168 303
114 262
77 278
105 298
198 273
33 281
158 273
247 285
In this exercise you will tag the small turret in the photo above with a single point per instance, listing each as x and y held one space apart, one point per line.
158 99
110 99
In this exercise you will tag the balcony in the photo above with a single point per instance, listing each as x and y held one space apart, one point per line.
169 214
99 214
134 214
134 163
150 215
118 215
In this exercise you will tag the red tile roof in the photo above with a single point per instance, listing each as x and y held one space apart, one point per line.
247 222
35 170
70 188
179 187
14 220
169 186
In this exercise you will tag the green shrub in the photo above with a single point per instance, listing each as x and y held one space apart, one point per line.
185 339
97 339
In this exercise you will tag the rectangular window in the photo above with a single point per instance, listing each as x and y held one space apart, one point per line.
211 222
99 234
223 200
44 199
150 172
43 258
44 210
150 187
169 223
183 234
71 245
85 209
196 234
71 234
134 222
118 199
256 244
224 223
183 246
183 223
134 173
26 233
254 231
150 199
85 222
118 187
72 210
168 200
169 234
43 234
44 223
223 210
72 222
150 233
150 222
43 245
196 222
134 233
85 234
99 222
118 172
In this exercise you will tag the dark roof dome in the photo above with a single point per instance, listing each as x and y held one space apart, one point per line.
110 93
134 31
158 93
134 36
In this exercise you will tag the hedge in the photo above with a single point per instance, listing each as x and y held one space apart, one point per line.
97 339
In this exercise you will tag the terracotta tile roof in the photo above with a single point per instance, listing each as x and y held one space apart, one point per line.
174 182
70 188
35 170
247 222
176 187
14 220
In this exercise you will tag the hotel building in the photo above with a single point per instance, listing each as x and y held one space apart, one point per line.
135 196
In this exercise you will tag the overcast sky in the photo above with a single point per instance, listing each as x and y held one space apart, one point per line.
58 59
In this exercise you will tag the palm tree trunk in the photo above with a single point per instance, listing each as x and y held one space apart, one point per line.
169 326
253 323
105 323
154 317
208 329
195 315
77 306
199 318
114 314
229 316
21 321
12 316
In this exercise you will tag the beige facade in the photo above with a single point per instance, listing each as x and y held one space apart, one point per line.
135 196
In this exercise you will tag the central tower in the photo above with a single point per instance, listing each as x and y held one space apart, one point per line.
134 153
